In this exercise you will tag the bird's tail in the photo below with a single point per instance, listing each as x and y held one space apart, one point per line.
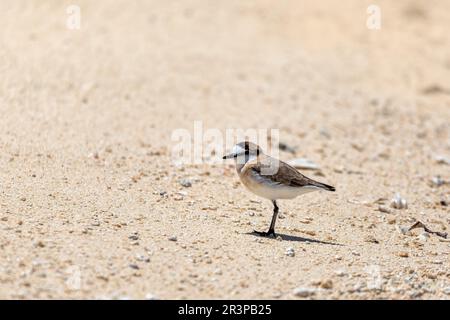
323 186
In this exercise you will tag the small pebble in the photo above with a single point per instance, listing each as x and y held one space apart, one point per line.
371 239
290 252
173 238
403 254
403 230
398 202
285 147
423 237
437 181
186 183
151 296
384 209
391 220
142 258
341 273
442 160
39 244
326 284
178 198
304 292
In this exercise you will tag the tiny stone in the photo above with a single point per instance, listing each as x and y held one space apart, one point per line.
447 290
133 237
384 209
284 147
304 292
371 239
442 160
423 237
142 258
398 202
326 284
40 244
358 287
403 230
341 273
302 163
173 238
290 252
437 181
134 266
391 220
150 296
186 183
403 254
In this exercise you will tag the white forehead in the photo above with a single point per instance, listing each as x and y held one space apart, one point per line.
237 149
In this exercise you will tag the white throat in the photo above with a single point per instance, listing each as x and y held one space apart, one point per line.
241 160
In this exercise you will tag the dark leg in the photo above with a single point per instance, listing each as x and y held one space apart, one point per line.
271 231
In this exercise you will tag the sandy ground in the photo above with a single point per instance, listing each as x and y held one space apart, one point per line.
90 198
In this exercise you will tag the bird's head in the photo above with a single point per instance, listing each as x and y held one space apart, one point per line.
244 151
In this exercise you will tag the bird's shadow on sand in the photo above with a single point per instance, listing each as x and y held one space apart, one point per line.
287 237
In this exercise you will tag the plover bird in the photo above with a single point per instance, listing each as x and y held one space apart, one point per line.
270 178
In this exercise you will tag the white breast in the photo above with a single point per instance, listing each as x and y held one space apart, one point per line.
266 188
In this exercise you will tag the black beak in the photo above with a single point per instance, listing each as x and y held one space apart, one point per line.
229 156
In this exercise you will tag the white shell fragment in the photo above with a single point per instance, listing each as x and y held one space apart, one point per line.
303 163
398 202
290 252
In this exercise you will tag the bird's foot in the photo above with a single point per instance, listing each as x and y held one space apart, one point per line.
270 233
